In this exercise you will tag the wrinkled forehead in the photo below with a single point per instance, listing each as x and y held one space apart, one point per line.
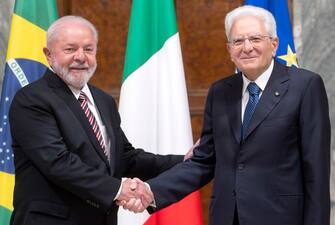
70 29
73 25
247 25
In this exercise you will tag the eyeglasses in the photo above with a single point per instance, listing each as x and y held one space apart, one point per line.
255 40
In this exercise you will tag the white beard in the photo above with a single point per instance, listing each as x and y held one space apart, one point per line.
77 81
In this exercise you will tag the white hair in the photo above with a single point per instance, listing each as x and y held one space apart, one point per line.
247 10
55 27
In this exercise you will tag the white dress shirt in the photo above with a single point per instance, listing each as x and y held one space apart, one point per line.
95 111
261 82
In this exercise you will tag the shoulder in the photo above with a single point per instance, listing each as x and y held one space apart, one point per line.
298 78
301 74
303 79
99 92
35 88
223 83
104 96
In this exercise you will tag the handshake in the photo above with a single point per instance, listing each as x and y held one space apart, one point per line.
135 195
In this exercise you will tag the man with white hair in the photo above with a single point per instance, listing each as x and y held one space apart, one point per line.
70 151
265 139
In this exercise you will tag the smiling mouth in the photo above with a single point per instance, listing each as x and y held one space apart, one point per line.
80 68
248 58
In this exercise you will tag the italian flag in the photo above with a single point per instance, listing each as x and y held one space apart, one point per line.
153 101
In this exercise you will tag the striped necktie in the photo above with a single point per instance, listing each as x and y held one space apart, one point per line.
254 91
92 121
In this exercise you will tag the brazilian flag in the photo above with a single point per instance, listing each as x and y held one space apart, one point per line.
279 8
25 62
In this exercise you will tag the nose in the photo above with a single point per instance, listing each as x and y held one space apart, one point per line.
247 46
79 55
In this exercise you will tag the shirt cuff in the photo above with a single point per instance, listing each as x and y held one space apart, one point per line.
153 203
120 188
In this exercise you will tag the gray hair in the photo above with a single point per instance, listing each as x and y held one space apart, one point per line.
247 10
55 27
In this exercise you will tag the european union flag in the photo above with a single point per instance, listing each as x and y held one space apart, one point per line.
25 63
286 51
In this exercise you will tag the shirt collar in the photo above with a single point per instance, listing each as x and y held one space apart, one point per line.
85 89
261 81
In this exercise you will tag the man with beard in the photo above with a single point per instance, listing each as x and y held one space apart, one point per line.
70 152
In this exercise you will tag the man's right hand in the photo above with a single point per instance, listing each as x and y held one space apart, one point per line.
135 195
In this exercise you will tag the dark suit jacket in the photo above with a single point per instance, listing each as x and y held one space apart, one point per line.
279 175
62 175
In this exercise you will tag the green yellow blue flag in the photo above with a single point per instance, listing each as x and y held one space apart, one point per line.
25 62
279 8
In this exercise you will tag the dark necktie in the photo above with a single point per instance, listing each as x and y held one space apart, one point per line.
91 119
254 91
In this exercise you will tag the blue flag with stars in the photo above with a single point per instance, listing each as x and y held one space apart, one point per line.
279 8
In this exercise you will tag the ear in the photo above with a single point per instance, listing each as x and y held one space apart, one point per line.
47 54
275 44
229 51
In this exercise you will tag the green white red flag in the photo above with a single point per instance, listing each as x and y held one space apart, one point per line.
153 100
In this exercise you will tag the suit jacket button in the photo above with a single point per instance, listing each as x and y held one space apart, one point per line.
240 166
234 193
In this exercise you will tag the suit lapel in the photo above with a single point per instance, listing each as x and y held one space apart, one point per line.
63 91
274 91
233 99
105 114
